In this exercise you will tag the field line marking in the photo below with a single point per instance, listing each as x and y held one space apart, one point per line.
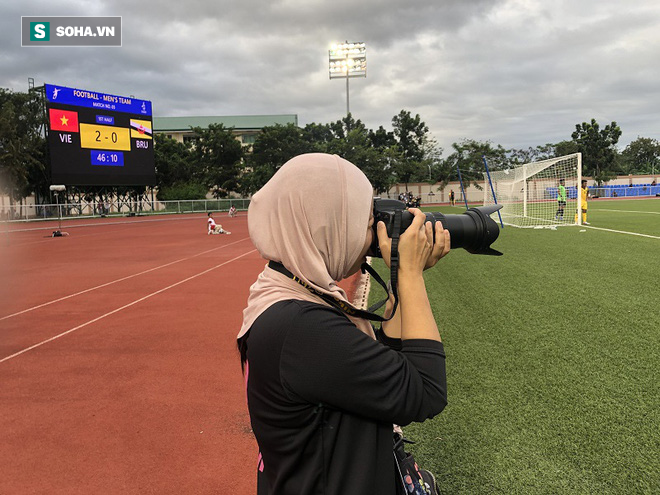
96 224
627 211
123 307
118 280
621 232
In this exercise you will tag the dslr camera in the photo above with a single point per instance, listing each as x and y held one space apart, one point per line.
472 230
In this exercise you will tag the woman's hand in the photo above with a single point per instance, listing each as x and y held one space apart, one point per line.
416 243
442 243
417 252
415 246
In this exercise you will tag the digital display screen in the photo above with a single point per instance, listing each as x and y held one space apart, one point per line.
97 139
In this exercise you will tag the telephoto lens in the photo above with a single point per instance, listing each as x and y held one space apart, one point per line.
472 230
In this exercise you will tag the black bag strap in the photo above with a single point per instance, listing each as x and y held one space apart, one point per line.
343 306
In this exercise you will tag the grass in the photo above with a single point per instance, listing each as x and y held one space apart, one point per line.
619 215
553 354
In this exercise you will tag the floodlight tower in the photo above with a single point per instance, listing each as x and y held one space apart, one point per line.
348 60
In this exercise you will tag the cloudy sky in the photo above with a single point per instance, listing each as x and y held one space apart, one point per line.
514 72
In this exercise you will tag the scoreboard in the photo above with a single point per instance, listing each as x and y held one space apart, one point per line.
97 139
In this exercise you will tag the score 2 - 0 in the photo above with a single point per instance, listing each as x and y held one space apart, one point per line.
105 137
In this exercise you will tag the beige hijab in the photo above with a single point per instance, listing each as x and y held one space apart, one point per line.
312 217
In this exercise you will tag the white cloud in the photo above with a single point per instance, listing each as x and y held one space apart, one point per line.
518 73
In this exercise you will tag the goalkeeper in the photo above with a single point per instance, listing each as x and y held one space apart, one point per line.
585 194
561 200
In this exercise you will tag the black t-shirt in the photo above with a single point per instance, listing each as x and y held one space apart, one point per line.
323 396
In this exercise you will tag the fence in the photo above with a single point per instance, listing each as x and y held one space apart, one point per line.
23 212
621 191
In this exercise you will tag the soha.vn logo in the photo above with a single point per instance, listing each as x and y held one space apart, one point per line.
40 31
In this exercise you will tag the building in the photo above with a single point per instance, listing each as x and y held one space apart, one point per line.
245 127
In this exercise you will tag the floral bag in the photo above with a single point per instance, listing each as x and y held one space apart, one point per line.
412 480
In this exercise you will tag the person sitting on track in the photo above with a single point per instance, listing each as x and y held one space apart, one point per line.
215 228
323 388
232 211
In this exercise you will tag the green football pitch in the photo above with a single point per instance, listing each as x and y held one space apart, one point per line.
553 356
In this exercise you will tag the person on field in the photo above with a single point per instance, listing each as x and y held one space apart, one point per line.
232 211
561 200
214 228
324 387
584 191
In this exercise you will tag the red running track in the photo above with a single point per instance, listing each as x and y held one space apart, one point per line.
118 364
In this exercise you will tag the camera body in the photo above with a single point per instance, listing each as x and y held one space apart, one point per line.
472 230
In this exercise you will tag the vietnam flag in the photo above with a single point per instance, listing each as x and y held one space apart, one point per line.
63 120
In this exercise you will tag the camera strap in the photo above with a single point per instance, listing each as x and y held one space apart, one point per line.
343 306
394 258
348 308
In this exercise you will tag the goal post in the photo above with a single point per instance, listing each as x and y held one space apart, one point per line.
531 196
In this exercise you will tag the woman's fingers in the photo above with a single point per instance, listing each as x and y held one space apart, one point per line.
443 240
429 232
441 246
384 242
418 220
415 246
417 243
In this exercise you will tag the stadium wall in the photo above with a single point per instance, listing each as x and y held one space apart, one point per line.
433 193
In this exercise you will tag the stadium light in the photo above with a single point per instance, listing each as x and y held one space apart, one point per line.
348 60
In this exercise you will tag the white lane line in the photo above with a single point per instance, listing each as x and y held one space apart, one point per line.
122 308
118 280
620 231
628 211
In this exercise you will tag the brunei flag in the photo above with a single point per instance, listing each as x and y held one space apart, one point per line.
63 120
141 129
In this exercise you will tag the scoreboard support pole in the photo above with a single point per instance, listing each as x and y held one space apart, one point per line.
57 189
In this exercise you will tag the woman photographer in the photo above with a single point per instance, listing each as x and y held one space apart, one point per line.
323 388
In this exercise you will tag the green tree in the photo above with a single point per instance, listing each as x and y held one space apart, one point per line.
22 145
349 137
542 152
641 156
381 171
182 190
418 151
318 135
357 147
382 139
564 148
275 146
518 157
598 148
175 176
173 161
375 153
218 157
468 156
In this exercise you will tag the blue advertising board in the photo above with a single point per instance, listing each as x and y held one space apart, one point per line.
101 101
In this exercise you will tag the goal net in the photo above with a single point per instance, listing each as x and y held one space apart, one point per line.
530 194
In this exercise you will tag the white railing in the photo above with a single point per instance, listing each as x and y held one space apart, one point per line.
32 212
